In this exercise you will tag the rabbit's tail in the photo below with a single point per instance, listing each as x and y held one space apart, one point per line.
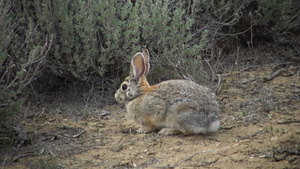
192 123
214 126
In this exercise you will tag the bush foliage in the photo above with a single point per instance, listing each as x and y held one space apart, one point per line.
86 40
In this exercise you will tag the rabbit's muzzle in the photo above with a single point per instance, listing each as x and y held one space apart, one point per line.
120 96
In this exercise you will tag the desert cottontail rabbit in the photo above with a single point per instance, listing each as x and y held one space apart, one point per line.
171 106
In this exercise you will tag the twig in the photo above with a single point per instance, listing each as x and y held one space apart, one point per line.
3 165
227 128
77 135
191 156
275 158
281 72
74 136
42 151
275 74
213 139
292 152
286 154
287 122
219 84
119 163
293 159
246 81
209 162
24 155
211 69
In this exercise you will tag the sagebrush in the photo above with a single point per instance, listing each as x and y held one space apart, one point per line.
87 41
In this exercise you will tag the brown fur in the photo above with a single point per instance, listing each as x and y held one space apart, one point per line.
174 105
146 87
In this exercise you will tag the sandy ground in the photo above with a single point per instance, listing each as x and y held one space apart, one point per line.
260 128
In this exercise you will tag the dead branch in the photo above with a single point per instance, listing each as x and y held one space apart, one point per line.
76 135
273 75
285 72
209 162
288 122
227 128
293 159
294 85
247 81
213 139
191 156
24 155
31 154
297 153
286 154
219 86
278 159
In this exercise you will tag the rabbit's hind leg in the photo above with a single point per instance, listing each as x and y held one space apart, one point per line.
198 128
191 122
145 129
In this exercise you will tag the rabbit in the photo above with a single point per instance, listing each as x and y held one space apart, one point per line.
173 106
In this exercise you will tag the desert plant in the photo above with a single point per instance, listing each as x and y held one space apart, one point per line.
22 55
92 40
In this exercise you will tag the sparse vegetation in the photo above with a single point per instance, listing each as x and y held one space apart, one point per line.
44 163
88 41
61 61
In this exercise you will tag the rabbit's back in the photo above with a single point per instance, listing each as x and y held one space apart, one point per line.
175 103
183 95
176 90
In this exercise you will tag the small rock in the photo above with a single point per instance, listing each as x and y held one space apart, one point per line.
150 153
237 157
275 138
259 141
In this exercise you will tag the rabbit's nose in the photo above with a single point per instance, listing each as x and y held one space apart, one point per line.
116 96
119 98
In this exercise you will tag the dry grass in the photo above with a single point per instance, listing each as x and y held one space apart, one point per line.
260 127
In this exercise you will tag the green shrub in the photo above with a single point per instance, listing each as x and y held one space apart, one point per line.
22 54
98 38
265 18
280 15
92 40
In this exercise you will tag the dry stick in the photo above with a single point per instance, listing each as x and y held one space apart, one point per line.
5 158
280 159
74 136
227 128
275 74
278 73
275 158
119 163
219 83
211 69
287 122
246 81
191 156
293 159
28 154
297 152
24 155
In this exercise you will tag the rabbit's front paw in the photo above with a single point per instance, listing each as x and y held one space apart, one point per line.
169 131
145 130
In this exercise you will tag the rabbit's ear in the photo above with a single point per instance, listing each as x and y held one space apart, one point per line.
137 66
147 61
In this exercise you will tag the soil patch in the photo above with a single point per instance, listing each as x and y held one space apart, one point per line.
260 128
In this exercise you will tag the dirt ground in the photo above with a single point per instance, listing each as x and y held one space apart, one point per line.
260 128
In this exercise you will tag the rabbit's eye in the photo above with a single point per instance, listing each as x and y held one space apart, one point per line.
124 86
